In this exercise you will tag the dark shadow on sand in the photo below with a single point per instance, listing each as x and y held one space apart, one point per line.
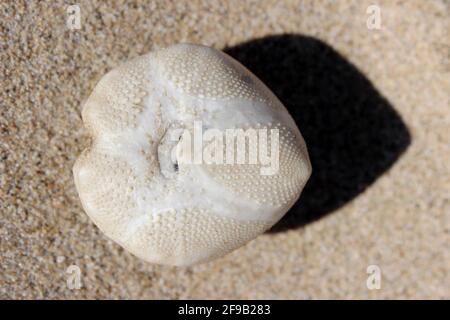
352 132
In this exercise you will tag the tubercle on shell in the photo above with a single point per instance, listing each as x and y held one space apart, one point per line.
167 211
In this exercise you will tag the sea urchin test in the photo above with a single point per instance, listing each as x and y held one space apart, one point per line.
192 156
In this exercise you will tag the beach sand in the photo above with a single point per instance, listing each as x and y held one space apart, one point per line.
373 104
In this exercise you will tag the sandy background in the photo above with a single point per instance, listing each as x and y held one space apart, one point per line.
373 105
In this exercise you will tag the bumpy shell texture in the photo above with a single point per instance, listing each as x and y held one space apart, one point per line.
183 213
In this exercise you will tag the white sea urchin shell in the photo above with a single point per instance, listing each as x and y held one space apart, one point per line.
183 213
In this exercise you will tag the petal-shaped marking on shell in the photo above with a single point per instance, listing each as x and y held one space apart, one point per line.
207 73
190 235
279 189
117 100
106 184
